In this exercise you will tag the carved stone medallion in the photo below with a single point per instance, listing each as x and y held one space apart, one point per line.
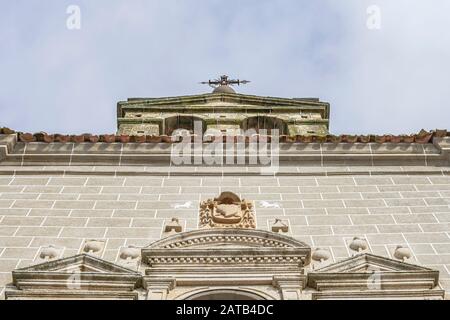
227 211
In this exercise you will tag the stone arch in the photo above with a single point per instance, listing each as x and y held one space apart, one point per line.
265 122
239 238
226 293
182 122
225 261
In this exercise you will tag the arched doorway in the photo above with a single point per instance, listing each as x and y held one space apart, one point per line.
226 294
225 264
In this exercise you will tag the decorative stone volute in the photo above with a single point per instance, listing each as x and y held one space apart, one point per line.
227 211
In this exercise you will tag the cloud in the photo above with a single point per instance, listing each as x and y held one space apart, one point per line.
391 80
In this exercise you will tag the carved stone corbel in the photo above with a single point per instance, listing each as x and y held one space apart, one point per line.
158 288
290 286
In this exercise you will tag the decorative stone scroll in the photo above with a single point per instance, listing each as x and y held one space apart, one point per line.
227 211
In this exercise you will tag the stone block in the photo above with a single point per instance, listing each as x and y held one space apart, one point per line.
38 231
297 181
386 238
40 204
147 223
373 181
22 221
342 196
411 180
7 265
427 238
359 230
74 204
223 182
397 188
7 231
323 203
72 181
347 211
7 203
381 195
372 219
122 190
29 181
71 232
81 213
65 222
311 230
405 202
18 253
399 228
182 182
329 220
415 218
82 190
109 222
105 181
358 189
161 190
115 205
364 203
133 233
336 181
21 196
304 196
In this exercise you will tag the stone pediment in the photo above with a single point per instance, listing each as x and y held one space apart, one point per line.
236 238
225 100
75 276
368 263
83 263
239 247
369 275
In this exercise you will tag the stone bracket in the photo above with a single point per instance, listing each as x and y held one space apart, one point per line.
158 288
290 286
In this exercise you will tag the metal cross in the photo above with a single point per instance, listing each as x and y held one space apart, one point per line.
224 81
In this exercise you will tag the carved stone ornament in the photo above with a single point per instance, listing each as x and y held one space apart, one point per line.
227 211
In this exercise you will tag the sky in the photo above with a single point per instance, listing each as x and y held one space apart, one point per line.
383 65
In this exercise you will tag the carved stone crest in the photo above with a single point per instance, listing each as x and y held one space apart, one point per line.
227 211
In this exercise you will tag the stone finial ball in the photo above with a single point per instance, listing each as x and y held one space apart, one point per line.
358 244
49 252
93 246
130 253
402 253
321 255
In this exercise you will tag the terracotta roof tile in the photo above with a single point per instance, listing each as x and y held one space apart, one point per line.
422 137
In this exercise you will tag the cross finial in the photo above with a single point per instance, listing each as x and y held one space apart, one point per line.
224 81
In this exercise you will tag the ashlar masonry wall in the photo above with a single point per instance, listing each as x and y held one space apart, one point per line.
323 211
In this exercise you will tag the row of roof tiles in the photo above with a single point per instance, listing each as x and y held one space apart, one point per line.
423 137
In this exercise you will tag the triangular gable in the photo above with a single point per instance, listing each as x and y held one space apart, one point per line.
83 263
368 272
81 273
368 263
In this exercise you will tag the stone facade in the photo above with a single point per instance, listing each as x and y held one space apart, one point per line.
334 215
223 111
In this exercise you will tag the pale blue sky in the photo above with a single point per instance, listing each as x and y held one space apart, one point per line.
393 80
